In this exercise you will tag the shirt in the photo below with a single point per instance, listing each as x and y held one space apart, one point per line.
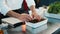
7 5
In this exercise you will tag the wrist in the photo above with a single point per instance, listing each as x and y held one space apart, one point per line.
34 13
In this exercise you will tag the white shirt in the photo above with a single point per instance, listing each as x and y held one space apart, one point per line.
7 5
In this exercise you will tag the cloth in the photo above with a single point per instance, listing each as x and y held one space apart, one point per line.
25 5
7 5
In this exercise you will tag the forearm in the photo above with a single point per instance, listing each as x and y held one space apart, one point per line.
13 14
33 9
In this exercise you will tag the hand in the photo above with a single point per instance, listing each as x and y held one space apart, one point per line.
25 17
36 16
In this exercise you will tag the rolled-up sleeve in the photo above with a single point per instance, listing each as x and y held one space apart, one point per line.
30 3
4 8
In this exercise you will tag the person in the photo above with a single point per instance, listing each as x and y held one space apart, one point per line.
15 8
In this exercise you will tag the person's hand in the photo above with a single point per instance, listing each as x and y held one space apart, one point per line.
25 17
36 16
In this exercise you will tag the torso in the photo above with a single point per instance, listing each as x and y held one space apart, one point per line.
14 4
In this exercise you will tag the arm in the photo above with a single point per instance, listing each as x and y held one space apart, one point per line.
4 7
13 14
23 17
33 9
34 13
31 5
6 10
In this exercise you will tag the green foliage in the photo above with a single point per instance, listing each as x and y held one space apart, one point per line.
54 8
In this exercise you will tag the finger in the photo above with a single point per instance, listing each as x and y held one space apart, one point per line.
23 19
27 20
32 16
38 18
29 17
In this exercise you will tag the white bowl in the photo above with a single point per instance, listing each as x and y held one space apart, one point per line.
37 27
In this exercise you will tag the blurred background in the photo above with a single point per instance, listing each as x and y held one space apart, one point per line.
40 3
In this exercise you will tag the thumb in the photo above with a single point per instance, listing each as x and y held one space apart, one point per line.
32 16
